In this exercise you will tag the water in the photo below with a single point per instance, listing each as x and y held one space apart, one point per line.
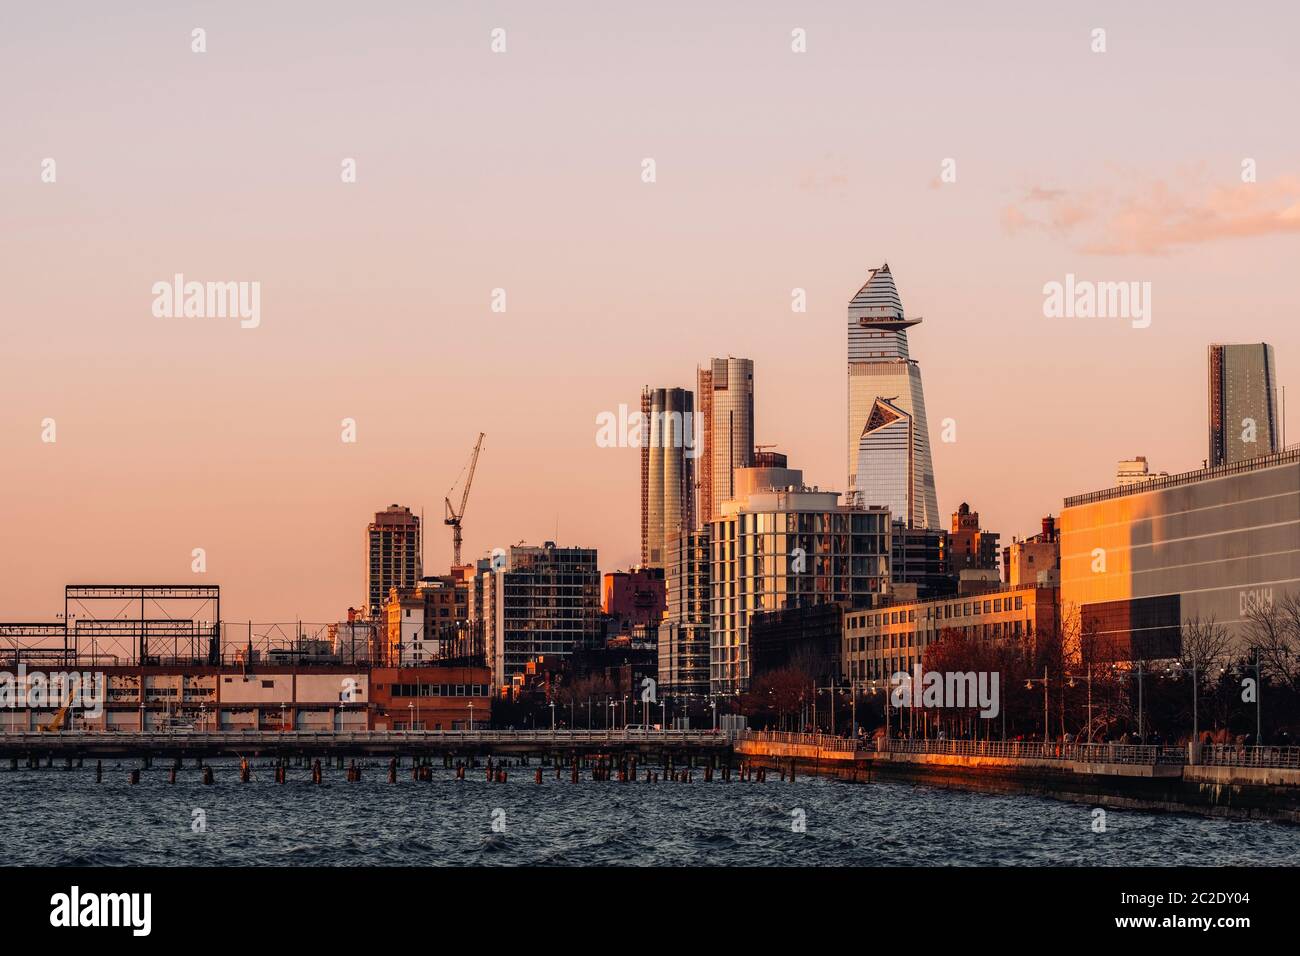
61 817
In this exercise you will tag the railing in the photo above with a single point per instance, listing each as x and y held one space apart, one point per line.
820 741
1187 477
1038 750
1229 755
617 734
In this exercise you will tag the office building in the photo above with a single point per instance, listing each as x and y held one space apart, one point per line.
684 633
886 407
541 601
783 545
668 455
880 642
1243 403
392 556
725 389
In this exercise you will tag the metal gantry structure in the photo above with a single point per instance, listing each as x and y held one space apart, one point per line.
142 623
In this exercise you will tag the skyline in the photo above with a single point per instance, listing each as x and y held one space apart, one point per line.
183 433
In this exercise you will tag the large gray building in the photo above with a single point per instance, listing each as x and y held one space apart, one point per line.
1139 562
1243 403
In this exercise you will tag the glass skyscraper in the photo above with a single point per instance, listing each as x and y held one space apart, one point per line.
883 380
1243 403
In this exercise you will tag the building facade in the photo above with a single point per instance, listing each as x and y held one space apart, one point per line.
778 548
879 368
684 633
970 548
881 642
725 389
392 555
1243 403
541 601
668 454
1139 563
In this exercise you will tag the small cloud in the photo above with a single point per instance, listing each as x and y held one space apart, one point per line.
1158 217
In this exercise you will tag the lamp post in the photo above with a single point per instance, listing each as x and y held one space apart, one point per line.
471 716
713 706
410 716
1029 685
552 716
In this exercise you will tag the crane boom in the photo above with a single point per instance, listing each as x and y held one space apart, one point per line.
454 517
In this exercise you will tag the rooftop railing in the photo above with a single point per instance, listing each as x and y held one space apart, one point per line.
1188 477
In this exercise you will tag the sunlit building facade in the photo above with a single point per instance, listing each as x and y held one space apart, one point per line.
1139 562
725 391
668 456
778 548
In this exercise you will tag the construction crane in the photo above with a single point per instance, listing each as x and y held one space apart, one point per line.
455 517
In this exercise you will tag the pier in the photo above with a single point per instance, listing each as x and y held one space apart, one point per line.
683 744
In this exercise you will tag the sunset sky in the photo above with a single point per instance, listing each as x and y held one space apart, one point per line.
522 170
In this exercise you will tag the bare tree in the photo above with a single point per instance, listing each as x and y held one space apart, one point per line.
1273 631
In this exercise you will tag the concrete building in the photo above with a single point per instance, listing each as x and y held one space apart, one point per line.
1243 403
1136 471
1034 560
725 389
392 555
880 642
784 545
1139 562
889 461
541 601
668 454
684 633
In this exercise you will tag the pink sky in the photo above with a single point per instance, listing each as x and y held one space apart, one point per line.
521 170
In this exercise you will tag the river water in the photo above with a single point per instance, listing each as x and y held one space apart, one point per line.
55 816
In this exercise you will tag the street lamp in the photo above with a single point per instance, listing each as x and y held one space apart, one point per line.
471 716
410 716
1029 685
552 716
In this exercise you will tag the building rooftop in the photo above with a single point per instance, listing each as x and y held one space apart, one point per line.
1283 457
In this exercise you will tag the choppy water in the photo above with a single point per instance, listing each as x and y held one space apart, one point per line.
55 816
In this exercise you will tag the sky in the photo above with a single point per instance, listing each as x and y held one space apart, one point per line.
983 151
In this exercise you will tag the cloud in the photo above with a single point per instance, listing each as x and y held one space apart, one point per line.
1157 217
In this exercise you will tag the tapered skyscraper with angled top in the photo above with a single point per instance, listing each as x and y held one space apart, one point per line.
888 453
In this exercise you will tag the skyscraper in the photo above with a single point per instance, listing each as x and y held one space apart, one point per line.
879 368
726 392
392 555
668 450
1243 403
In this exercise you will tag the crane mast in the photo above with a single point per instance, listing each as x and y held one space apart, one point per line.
454 517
